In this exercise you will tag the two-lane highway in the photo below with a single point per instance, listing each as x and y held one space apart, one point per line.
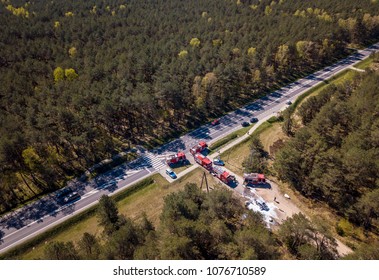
37 217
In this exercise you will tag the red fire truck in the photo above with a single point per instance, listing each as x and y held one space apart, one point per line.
198 148
203 161
178 158
223 175
254 179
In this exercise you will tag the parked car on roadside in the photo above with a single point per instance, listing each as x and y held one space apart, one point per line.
218 161
245 124
171 173
254 120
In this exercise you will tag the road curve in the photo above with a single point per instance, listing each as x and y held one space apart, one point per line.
27 222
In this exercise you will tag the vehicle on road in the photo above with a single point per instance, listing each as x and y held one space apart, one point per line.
254 179
198 148
203 161
289 102
218 161
178 158
71 197
60 196
254 120
245 124
223 175
215 122
171 173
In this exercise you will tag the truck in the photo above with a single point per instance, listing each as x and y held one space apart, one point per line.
254 178
223 175
203 161
198 148
178 158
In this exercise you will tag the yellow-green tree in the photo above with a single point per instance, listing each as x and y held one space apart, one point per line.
183 54
256 76
301 48
282 56
217 42
93 10
22 12
236 51
57 24
72 51
31 158
268 10
252 52
58 74
70 74
195 42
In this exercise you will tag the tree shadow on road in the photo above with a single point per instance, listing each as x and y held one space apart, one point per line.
1 236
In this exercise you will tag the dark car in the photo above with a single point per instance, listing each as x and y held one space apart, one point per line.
218 161
71 197
254 120
289 102
62 194
245 124
262 205
216 122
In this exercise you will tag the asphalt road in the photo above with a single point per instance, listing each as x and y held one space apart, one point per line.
37 217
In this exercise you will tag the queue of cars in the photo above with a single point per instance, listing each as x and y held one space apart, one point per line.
252 120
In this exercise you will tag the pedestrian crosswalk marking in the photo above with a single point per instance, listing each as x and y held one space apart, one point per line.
152 161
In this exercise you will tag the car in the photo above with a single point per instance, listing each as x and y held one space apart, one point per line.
71 197
218 161
254 120
245 124
262 205
62 194
289 102
216 122
171 173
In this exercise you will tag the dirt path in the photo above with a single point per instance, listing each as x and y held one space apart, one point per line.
283 207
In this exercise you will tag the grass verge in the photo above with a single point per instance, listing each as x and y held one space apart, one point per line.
337 79
70 223
234 156
364 63
145 196
178 169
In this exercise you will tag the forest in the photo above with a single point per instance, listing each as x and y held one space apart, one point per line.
83 80
195 225
334 156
